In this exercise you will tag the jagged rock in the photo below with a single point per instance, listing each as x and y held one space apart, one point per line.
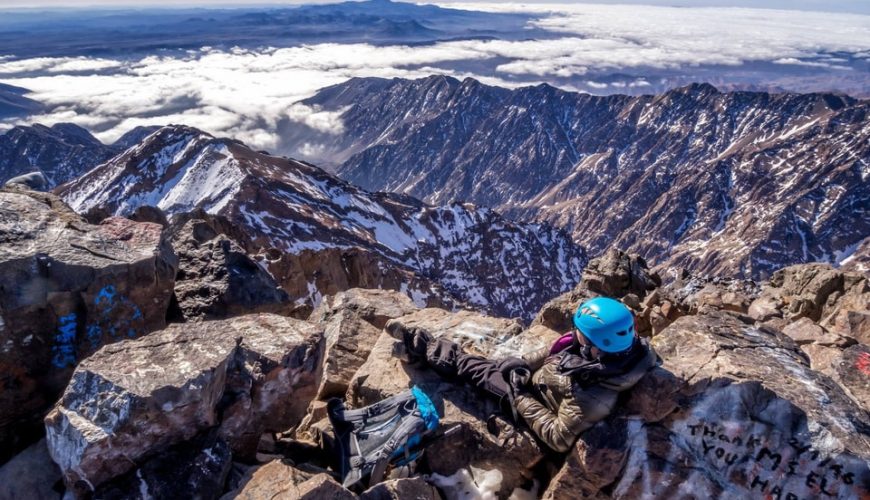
277 480
196 469
217 279
30 475
471 439
733 412
853 370
823 358
812 290
247 375
557 314
148 213
66 288
616 274
695 294
371 305
477 333
402 489
806 331
852 324
349 340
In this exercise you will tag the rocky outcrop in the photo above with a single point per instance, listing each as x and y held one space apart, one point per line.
278 480
66 288
242 376
614 274
194 469
373 306
738 407
401 489
815 291
217 278
733 411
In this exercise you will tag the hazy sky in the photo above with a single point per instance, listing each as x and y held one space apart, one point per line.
856 6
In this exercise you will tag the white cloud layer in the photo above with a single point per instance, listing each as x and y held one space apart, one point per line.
245 93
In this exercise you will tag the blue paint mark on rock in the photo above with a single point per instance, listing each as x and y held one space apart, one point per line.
106 295
116 316
94 335
64 349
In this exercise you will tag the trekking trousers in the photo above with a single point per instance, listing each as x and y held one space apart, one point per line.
493 377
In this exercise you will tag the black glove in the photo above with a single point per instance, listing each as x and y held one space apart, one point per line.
516 372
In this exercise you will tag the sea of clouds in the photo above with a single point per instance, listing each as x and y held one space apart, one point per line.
244 93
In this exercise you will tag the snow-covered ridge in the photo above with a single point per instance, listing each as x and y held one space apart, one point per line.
472 253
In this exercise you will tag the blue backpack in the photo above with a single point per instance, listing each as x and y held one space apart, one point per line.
389 433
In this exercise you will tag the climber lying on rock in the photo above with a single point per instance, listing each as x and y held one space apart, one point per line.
559 391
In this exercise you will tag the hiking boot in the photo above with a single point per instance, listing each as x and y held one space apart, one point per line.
416 343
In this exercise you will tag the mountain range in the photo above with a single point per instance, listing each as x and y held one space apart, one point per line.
282 209
732 184
727 183
61 152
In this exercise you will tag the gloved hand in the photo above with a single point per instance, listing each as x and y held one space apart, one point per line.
516 372
520 379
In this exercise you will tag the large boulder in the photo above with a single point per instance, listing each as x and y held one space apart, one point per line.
415 488
733 412
130 400
194 469
282 481
217 279
852 369
352 321
349 340
815 291
66 288
371 305
472 437
614 274
617 274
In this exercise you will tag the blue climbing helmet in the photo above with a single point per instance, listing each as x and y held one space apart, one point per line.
607 323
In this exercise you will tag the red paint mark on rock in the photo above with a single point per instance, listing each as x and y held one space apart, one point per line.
863 363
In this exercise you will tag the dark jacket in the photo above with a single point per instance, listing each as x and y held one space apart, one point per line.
562 403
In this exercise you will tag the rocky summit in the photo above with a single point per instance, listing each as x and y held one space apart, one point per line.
734 184
760 392
314 232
